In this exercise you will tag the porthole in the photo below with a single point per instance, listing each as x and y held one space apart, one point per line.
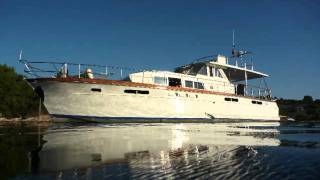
96 89
132 91
256 102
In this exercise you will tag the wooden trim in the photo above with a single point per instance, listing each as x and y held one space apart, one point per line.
135 84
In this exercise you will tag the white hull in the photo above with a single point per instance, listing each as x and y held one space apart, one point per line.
75 99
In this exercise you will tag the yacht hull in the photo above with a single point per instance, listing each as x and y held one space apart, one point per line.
98 100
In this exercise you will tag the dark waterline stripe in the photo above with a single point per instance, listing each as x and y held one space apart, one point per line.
133 119
153 119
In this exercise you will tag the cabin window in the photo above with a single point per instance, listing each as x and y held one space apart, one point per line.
160 80
235 100
198 85
174 82
218 73
96 89
132 91
256 102
142 92
231 99
211 71
189 84
203 70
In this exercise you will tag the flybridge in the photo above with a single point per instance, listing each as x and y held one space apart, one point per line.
234 72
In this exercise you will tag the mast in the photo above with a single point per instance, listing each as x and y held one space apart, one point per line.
239 54
233 45
246 79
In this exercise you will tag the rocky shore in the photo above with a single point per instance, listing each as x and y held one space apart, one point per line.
42 120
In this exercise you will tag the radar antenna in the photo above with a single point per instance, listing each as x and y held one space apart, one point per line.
237 53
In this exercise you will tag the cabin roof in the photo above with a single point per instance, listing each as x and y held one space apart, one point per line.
234 73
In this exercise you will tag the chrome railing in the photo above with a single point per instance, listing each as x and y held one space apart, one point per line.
253 91
36 69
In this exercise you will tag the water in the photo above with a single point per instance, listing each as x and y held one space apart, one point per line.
249 150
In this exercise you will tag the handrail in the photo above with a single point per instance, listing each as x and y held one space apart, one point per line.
74 64
53 68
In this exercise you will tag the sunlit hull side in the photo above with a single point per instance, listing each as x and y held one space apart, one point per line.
102 101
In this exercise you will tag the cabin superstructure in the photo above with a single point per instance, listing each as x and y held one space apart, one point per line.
212 73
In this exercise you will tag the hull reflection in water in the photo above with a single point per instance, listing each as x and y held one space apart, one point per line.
143 146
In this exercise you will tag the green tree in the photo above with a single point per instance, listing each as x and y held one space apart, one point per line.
307 99
17 97
303 110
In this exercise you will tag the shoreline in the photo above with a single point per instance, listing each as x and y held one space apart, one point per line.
45 120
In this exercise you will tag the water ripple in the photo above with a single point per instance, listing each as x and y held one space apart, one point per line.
235 150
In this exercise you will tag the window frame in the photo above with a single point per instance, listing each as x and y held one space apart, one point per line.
164 80
187 81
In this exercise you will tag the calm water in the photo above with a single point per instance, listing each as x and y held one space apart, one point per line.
265 150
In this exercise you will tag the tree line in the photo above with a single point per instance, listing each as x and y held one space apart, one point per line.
305 109
17 98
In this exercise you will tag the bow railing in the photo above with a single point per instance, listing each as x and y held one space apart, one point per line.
37 69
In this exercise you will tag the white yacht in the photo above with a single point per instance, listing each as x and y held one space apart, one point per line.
208 88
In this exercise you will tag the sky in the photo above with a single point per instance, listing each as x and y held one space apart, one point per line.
146 34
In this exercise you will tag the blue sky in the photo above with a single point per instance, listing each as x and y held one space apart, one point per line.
284 35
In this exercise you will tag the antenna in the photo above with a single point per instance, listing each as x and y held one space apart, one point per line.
234 52
20 55
237 53
233 45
